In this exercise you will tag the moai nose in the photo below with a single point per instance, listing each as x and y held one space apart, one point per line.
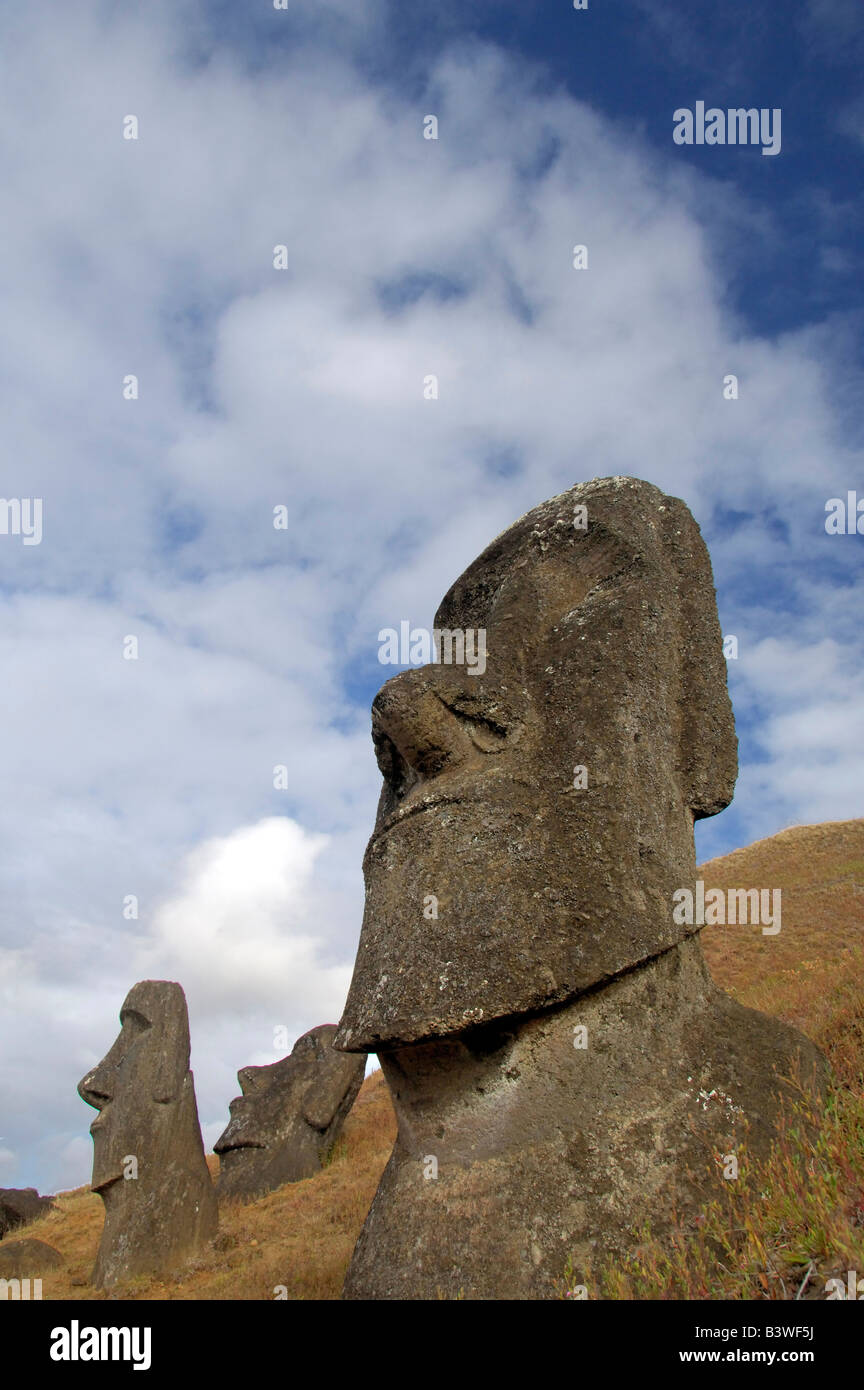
95 1088
416 735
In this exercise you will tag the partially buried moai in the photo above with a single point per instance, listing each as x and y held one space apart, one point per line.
148 1157
544 1023
289 1116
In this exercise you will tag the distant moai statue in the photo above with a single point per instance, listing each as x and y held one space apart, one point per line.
21 1205
289 1116
148 1157
550 1038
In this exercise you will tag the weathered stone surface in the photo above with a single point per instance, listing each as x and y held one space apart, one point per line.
288 1117
148 1126
28 1257
547 1153
603 651
554 913
19 1206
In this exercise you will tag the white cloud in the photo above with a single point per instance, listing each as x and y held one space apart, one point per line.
76 1159
241 932
809 695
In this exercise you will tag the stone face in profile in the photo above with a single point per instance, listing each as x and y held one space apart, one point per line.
547 1031
148 1157
603 652
288 1117
21 1205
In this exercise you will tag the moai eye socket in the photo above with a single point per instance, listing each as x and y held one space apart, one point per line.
134 1022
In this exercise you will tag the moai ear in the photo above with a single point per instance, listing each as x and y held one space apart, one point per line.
327 1092
169 1078
708 758
333 1073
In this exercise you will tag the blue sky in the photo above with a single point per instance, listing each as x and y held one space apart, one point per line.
303 387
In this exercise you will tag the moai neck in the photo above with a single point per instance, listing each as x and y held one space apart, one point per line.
531 1148
522 1082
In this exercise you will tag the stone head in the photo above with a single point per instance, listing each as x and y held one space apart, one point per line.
142 1083
281 1123
536 819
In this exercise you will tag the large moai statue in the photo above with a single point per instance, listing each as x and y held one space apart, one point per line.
562 1066
148 1157
289 1116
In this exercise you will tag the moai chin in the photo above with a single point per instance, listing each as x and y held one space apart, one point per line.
289 1116
546 1034
148 1156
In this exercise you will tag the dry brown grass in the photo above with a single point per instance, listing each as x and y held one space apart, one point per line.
820 869
811 974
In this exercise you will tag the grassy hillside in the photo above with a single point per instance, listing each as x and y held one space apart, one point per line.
791 1227
812 972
